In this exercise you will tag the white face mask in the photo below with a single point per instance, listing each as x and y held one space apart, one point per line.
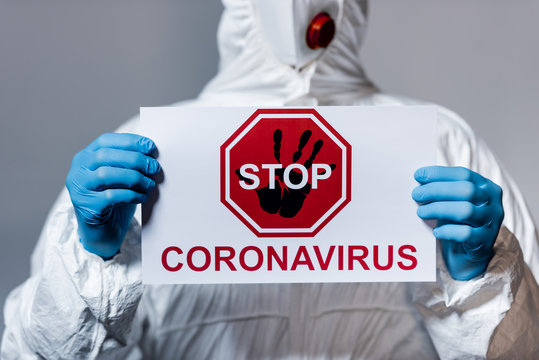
285 24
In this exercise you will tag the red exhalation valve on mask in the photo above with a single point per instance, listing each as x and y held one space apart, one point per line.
320 31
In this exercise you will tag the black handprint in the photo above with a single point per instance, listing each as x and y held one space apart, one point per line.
286 201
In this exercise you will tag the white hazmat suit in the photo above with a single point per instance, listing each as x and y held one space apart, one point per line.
75 305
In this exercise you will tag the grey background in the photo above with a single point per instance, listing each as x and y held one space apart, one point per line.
70 70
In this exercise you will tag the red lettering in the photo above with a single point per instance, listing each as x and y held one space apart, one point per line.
207 261
258 263
324 264
227 259
389 258
297 261
360 258
272 254
406 256
165 255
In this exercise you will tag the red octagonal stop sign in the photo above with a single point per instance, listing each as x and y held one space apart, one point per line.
285 172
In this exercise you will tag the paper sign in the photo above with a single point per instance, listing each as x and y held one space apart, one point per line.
288 195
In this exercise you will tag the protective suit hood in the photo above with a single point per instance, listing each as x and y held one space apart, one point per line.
252 73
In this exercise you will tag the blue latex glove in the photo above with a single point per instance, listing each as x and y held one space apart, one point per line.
469 212
105 182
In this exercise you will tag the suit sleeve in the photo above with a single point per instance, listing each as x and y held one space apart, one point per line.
75 304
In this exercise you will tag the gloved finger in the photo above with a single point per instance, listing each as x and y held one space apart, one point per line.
122 159
446 173
462 212
106 177
471 241
471 238
113 197
455 232
129 142
450 191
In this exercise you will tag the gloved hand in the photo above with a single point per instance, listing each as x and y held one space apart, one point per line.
469 213
105 182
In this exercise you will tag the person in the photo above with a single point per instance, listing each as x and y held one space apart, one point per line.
85 300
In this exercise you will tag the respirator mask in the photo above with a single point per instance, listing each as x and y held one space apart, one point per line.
298 31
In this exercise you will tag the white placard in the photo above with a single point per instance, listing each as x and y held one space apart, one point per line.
196 230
